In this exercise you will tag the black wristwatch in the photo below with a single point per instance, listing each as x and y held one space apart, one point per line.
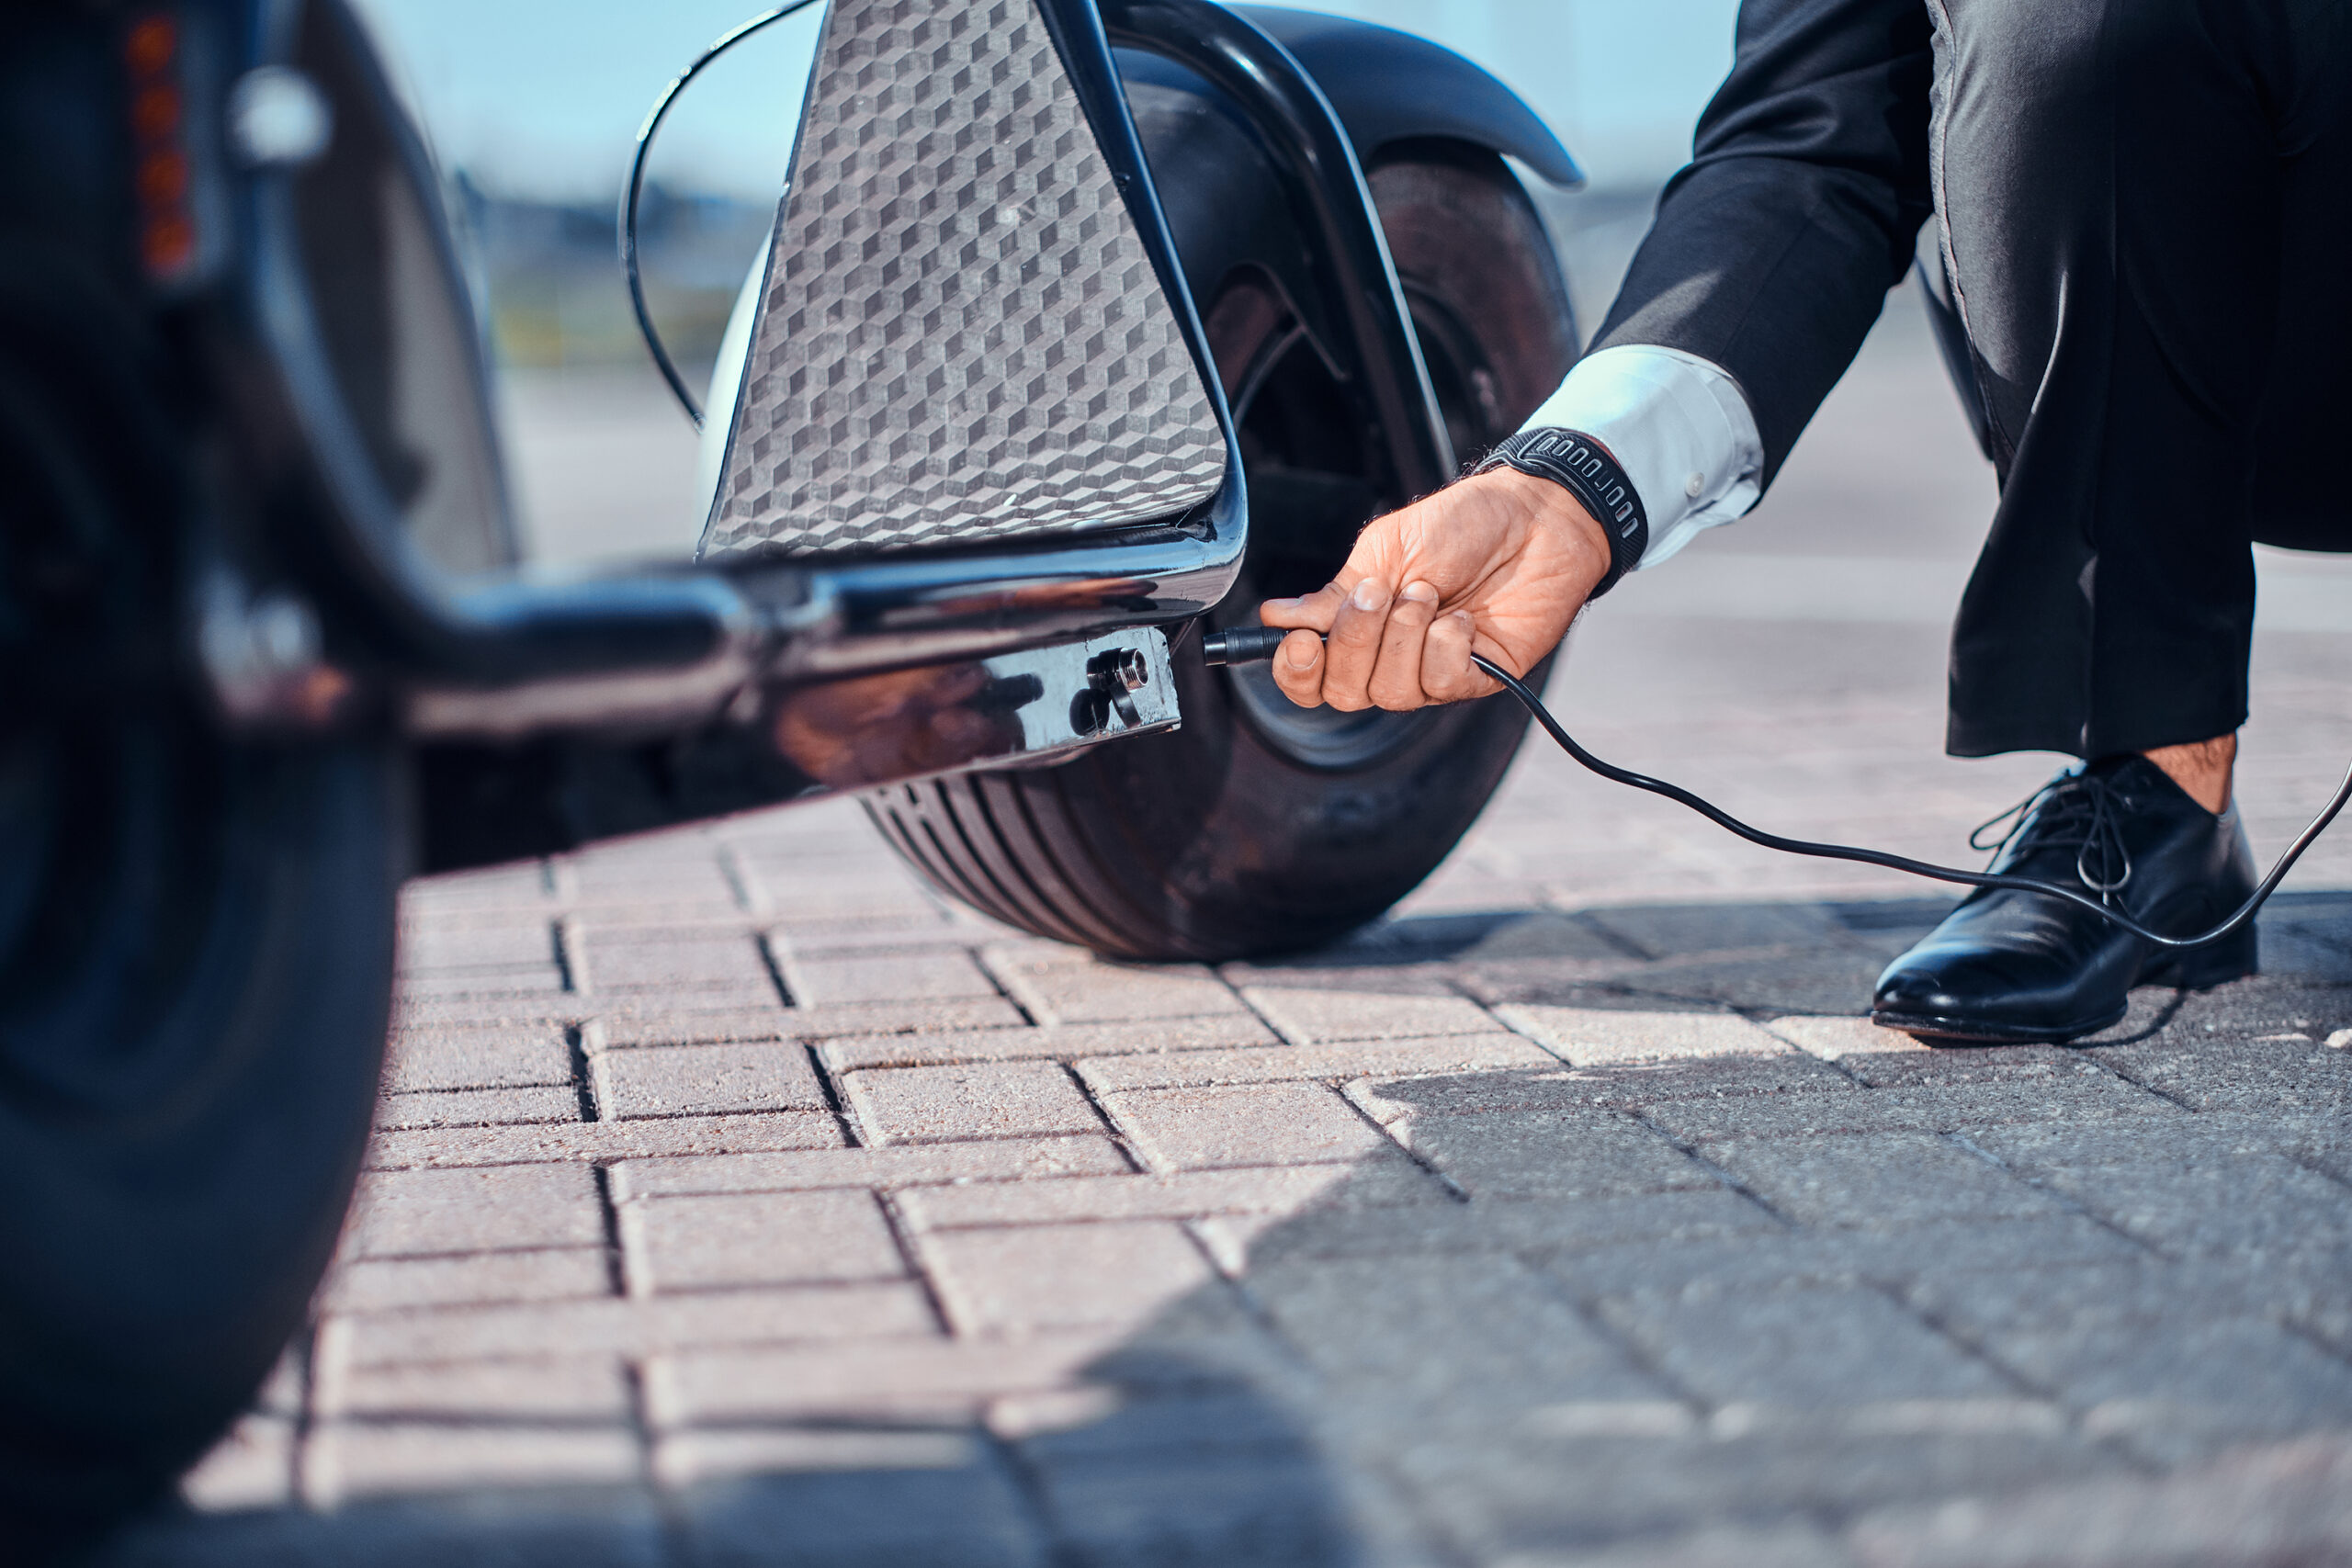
1587 470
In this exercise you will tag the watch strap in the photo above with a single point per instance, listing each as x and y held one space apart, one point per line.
1590 472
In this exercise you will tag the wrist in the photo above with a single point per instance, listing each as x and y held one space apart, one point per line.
1551 513
1589 473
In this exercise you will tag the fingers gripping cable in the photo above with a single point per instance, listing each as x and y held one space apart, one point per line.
1251 645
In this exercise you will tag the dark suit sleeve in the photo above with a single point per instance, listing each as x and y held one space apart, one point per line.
1773 251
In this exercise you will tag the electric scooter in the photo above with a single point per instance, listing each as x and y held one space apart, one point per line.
1085 326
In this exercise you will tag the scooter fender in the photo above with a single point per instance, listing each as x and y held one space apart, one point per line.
1390 86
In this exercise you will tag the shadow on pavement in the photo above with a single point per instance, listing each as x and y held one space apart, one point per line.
1736 1282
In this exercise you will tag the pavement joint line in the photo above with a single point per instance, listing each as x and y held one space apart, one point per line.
835 1102
750 893
583 1076
571 955
616 1270
773 965
1035 1504
1136 1152
1460 1193
2064 1199
913 1252
1690 1152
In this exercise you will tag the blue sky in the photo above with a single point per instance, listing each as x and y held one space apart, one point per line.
543 96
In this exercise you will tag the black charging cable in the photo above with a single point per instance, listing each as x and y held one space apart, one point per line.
1252 645
633 192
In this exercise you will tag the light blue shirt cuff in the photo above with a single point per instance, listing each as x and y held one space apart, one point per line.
1680 427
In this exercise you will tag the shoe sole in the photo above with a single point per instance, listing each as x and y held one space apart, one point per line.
1979 1033
2190 969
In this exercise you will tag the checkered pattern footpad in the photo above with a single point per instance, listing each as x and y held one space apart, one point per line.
962 337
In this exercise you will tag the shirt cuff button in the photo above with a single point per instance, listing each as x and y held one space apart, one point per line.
1695 485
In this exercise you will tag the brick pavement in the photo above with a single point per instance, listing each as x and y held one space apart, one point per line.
736 1202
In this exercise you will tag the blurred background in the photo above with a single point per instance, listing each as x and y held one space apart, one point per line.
534 106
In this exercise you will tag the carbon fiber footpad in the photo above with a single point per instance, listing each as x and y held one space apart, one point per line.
961 336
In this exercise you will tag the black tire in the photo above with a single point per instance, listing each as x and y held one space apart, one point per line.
196 966
1259 828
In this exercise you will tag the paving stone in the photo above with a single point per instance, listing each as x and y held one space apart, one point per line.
2119 1293
852 1019
1065 1043
834 980
605 1141
426 946
615 1030
383 1284
2174 1389
2294 1072
768 1239
940 1379
700 961
2214 1187
1058 984
686 1459
1197 1129
638 1327
477 1107
348 1460
1876 1178
1278 1063
1511 1495
2276 1503
1789 1543
967 1516
1832 982
1236 1507
544 980
416 1213
1887 1058
2065 1104
554 1527
1609 1037
1366 1326
705 1080
1009 1100
1767 1357
885 1169
1314 1016
571 1388
1659 931
520 1057
1188 1195
1051 1277
417 1014
1779 1259
1551 1154
1528 1228
1577 1089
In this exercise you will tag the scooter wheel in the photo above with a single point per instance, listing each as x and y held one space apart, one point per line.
1260 826
196 966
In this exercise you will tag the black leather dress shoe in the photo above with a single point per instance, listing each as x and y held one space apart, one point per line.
2014 968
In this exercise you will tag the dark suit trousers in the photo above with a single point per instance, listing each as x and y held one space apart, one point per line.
2145 209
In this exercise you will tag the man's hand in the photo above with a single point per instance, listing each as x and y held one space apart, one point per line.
1498 565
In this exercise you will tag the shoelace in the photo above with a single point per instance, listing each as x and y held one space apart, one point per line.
2075 811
